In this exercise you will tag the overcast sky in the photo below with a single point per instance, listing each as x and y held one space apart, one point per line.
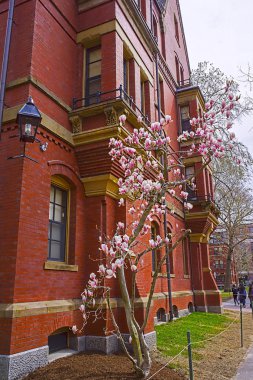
221 32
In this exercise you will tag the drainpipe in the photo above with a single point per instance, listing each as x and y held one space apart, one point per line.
5 59
165 225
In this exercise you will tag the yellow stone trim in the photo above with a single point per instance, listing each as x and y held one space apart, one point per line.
26 309
190 94
105 184
192 160
207 269
55 265
187 276
42 87
10 114
202 215
91 34
98 134
197 238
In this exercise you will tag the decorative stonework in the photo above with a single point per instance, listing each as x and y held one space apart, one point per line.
111 116
76 122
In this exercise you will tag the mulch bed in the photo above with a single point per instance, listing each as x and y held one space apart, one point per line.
95 367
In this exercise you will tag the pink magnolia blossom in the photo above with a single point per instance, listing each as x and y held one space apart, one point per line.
133 268
122 119
74 329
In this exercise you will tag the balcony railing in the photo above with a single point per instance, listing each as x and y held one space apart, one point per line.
106 96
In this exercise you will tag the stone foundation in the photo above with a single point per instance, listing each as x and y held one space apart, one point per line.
14 367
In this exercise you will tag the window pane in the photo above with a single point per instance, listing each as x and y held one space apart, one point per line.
185 113
58 196
94 69
94 55
55 250
51 211
58 213
52 194
94 86
189 171
56 232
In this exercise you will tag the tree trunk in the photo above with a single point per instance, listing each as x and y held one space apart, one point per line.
227 284
140 348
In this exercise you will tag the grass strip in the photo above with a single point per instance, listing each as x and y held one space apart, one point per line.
172 337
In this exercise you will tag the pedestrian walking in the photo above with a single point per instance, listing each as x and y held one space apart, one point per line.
242 295
235 294
250 294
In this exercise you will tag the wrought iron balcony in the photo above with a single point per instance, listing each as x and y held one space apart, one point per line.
100 98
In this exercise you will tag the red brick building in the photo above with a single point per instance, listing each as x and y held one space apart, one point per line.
84 63
218 259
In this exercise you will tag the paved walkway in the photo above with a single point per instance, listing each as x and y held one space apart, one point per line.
245 371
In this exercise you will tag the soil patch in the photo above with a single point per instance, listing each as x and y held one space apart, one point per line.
96 367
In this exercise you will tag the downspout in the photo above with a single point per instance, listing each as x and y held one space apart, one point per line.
165 226
5 59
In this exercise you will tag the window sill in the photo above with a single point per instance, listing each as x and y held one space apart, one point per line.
186 276
55 265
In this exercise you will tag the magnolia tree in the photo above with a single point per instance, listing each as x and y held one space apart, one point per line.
148 181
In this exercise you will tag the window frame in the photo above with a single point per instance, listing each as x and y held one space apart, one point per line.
63 185
89 97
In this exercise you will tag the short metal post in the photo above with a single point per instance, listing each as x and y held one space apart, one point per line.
241 324
190 355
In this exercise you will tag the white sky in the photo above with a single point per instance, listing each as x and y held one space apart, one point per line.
221 32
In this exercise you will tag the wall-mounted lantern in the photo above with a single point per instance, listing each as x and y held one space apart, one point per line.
28 120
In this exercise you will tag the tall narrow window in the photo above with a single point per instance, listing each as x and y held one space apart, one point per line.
125 75
57 224
176 29
177 70
185 118
156 253
155 28
142 90
189 174
161 89
171 253
181 76
93 75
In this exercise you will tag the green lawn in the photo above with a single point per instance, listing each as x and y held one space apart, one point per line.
172 337
226 295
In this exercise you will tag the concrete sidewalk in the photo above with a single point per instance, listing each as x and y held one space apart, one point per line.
245 371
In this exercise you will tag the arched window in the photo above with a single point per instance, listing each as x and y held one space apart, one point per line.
161 316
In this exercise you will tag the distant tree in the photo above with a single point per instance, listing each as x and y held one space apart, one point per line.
235 203
243 257
211 80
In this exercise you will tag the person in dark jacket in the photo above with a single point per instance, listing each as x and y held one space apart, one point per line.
235 294
250 294
242 295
